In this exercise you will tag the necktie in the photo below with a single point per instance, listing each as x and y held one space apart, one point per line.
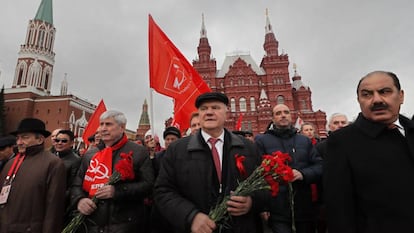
394 126
216 157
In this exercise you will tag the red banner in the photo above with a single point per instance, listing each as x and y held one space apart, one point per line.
172 75
239 122
93 122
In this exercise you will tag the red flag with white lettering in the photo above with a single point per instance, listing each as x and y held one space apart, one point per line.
93 122
172 75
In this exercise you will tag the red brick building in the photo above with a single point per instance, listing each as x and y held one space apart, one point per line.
254 89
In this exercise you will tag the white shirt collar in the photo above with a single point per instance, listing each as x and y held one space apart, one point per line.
207 136
400 127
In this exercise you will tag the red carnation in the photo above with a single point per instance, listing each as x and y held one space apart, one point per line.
239 165
125 166
272 170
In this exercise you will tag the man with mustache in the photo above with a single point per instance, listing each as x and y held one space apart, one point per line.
370 164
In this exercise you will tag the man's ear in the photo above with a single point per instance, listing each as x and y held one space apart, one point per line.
41 139
401 96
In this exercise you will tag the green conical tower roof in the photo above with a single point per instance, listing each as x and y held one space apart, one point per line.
45 11
144 120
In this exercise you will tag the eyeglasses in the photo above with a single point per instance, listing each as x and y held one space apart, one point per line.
61 140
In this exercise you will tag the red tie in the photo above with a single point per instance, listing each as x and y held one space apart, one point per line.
216 157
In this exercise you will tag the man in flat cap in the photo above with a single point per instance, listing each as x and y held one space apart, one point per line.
7 145
199 170
33 184
170 135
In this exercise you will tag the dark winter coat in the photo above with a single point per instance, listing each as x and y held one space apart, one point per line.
306 160
188 184
36 200
72 162
158 223
125 212
368 180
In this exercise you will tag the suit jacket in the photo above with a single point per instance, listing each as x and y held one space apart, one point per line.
187 182
368 178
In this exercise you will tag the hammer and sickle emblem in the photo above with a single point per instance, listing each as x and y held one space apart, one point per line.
179 77
99 169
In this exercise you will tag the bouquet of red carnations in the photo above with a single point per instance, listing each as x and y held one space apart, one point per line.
123 171
273 169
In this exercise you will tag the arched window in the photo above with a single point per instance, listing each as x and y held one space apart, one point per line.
252 104
41 38
280 99
242 103
20 76
232 105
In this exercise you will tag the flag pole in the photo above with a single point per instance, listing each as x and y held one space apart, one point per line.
152 125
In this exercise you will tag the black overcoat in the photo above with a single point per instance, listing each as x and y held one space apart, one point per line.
369 174
187 182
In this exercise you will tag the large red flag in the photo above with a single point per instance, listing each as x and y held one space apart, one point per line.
93 122
172 75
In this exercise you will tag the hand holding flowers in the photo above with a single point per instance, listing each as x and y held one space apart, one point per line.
123 171
273 169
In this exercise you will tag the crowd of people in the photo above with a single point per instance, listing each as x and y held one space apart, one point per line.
353 181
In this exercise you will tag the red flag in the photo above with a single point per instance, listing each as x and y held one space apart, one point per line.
172 75
239 122
93 122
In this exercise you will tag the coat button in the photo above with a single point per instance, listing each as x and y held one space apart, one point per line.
29 229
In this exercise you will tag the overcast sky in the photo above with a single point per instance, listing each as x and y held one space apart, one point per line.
103 45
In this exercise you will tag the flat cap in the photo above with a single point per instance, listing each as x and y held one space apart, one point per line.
7 141
211 96
172 130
